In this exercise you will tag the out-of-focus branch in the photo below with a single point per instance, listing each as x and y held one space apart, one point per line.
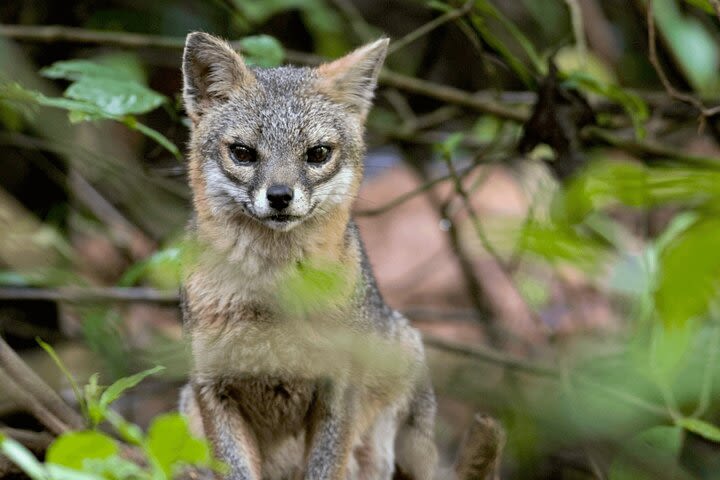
30 391
430 26
53 33
362 28
31 404
491 355
91 295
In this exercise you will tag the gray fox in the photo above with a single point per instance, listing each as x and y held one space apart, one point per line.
300 370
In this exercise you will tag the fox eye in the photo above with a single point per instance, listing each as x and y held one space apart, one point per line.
318 155
242 154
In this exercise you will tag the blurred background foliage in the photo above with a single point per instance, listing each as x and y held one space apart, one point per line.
565 154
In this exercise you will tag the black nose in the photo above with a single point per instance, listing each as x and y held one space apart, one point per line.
279 196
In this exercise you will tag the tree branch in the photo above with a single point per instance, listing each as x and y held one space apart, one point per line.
16 371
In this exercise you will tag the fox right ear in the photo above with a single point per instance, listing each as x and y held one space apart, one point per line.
211 71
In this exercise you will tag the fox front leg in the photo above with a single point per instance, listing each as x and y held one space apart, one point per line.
329 440
232 439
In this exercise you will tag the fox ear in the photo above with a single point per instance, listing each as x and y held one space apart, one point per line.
211 70
352 78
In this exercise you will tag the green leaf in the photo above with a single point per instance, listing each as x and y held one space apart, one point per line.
58 472
700 427
23 458
114 468
163 268
689 273
646 455
72 449
115 97
313 288
702 5
157 136
262 51
448 147
129 432
114 391
699 63
78 69
170 444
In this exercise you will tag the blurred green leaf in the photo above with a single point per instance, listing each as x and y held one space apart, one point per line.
694 49
23 458
59 472
703 5
561 243
162 268
129 432
448 147
700 427
689 273
114 468
652 452
73 448
262 51
314 288
635 106
170 444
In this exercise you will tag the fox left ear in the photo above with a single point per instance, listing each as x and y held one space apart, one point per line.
352 78
212 70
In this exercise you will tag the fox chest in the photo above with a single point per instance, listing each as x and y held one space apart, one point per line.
273 406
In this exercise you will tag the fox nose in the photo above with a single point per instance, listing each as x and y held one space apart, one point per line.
279 196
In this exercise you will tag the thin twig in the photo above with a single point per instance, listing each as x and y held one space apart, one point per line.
479 231
400 199
490 355
430 26
130 235
453 95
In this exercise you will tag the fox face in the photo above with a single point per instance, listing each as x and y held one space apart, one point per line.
278 146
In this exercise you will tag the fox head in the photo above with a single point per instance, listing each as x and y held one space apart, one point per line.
278 146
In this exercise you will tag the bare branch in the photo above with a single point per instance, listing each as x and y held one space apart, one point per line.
31 385
91 295
32 405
